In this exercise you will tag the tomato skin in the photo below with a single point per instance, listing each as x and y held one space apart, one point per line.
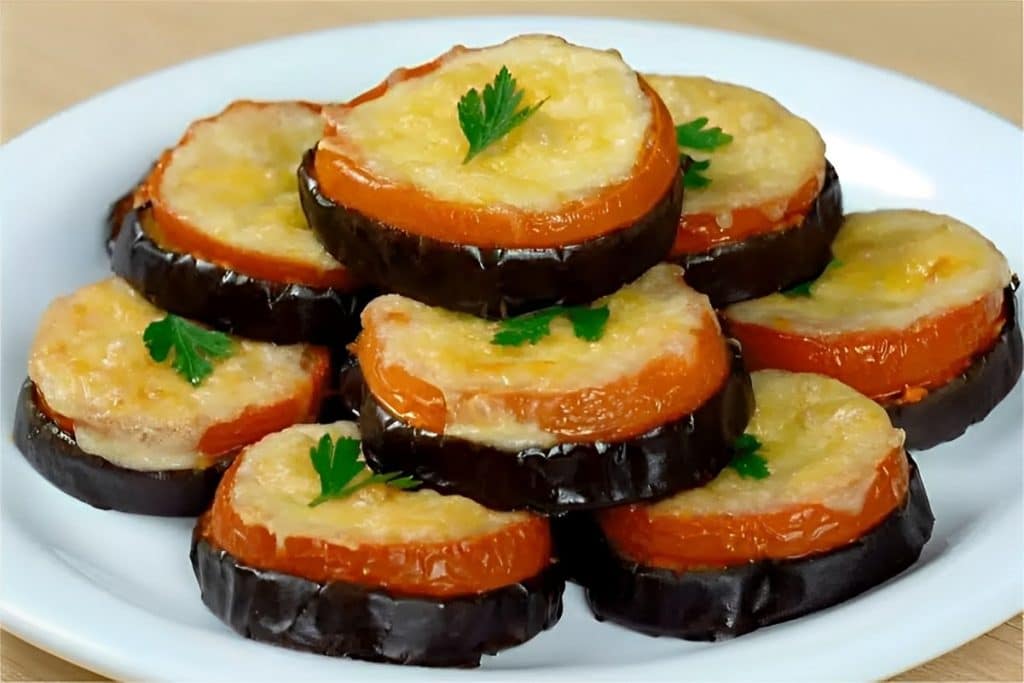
718 541
663 391
345 180
700 232
443 569
177 234
881 363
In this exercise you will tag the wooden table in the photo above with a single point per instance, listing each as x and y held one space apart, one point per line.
54 54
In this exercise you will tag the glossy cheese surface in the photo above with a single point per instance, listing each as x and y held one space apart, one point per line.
233 178
822 441
773 152
276 480
91 366
587 135
893 268
657 316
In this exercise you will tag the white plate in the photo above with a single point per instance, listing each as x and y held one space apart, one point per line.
115 592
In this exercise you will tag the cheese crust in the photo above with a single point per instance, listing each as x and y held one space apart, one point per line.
893 269
822 440
773 152
587 135
275 481
233 178
91 366
654 317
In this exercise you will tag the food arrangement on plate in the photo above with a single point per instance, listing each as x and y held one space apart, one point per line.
590 325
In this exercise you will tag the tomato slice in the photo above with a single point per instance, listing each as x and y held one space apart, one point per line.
721 540
700 232
343 177
465 566
881 363
177 233
664 390
226 438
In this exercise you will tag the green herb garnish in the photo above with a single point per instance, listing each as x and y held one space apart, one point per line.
194 346
338 465
489 118
804 288
587 324
747 460
693 135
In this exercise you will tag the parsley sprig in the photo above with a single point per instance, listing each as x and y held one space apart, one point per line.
587 324
747 459
194 346
338 465
487 119
803 289
694 135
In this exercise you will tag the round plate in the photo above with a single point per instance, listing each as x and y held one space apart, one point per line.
115 592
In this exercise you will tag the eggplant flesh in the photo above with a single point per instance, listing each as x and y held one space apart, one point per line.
54 453
681 454
348 620
946 412
717 604
768 263
489 282
230 301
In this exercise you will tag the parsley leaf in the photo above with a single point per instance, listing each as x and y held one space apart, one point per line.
693 135
489 118
338 465
194 346
587 324
747 460
693 178
804 288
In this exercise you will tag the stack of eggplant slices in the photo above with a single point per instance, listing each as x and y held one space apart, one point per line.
515 316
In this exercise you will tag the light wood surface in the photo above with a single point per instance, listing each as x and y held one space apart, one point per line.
53 54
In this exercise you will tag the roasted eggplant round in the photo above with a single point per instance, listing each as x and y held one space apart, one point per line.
368 571
909 303
762 203
546 413
100 415
216 233
946 412
54 453
231 301
522 224
821 503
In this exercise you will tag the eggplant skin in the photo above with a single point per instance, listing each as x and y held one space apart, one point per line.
55 454
683 454
488 282
947 412
347 620
771 262
717 604
230 301
115 218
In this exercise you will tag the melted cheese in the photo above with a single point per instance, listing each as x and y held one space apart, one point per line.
234 180
895 268
90 364
275 481
822 441
654 317
773 152
587 135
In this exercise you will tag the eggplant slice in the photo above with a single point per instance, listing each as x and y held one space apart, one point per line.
683 454
55 454
231 301
488 282
716 604
768 263
347 620
947 412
